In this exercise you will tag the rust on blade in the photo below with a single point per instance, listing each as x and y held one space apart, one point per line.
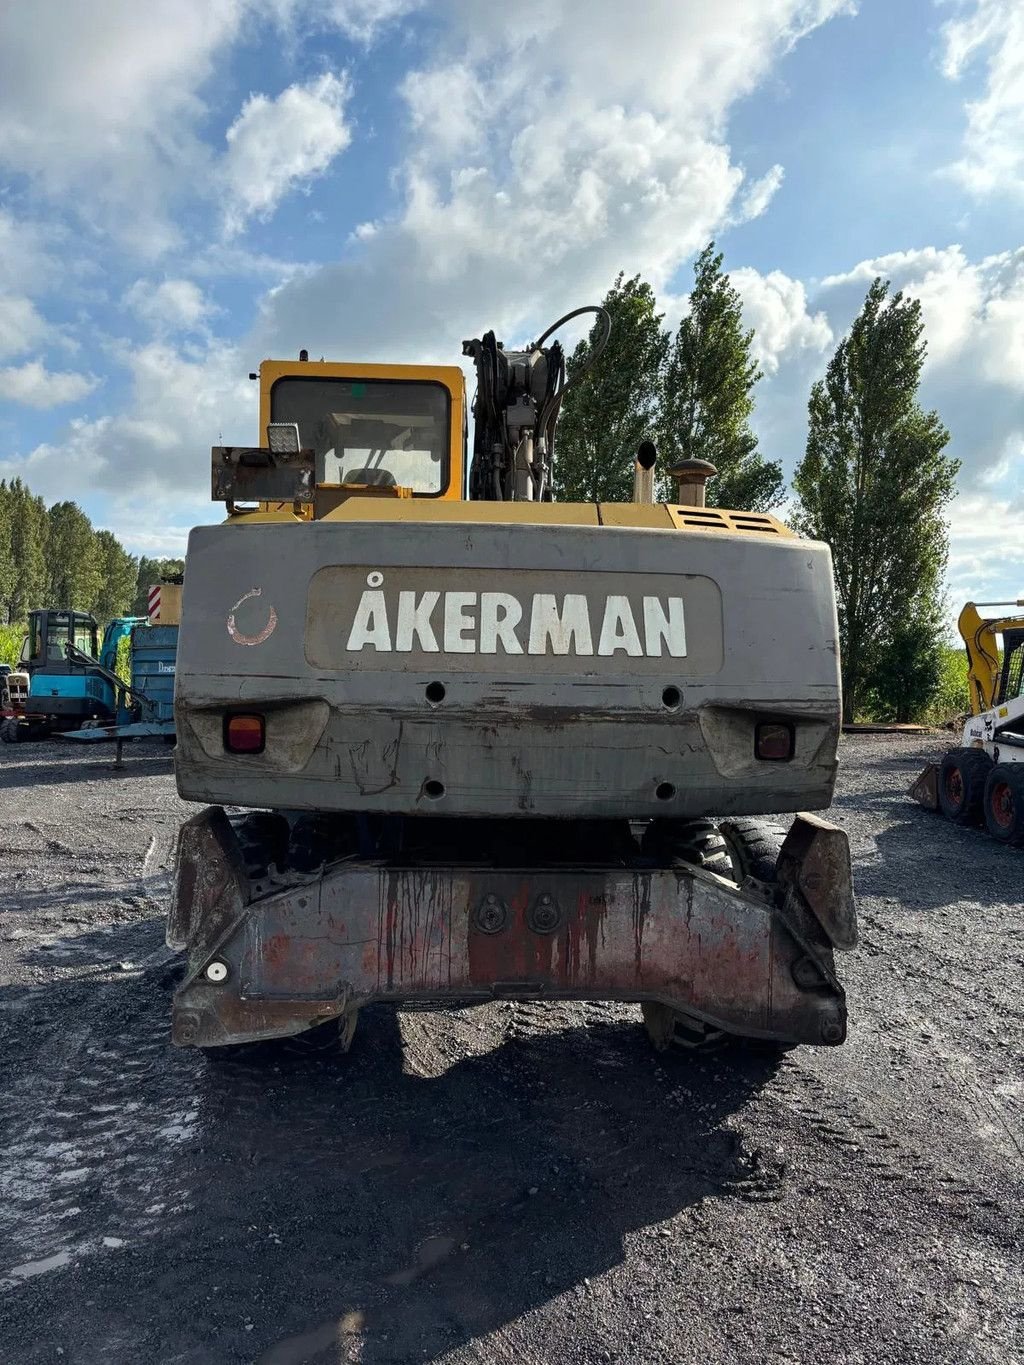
367 931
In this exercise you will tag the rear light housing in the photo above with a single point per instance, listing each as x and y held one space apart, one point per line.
774 741
245 733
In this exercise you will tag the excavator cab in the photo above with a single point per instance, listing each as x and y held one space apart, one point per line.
331 431
49 635
381 433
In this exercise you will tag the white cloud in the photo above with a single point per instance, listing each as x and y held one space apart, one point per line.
986 559
993 150
775 306
25 260
537 166
37 387
21 325
275 145
973 311
182 402
99 104
447 105
761 193
170 306
363 19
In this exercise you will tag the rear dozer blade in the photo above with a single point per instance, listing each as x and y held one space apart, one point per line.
269 958
925 788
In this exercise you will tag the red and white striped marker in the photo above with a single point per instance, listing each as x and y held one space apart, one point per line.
154 605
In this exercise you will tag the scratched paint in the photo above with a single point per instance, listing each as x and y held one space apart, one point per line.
239 637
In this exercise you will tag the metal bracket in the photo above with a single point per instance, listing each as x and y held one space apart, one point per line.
256 474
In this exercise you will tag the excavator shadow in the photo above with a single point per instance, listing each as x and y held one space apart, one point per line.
393 1205
417 1213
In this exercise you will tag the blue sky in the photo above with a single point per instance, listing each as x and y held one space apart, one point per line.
191 185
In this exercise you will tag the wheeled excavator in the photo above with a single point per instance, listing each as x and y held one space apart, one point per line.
981 781
460 742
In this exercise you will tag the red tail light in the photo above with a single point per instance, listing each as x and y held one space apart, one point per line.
244 734
774 741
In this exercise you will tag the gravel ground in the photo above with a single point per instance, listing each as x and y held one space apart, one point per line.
510 1183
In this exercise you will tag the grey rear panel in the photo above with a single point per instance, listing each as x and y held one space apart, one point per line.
586 671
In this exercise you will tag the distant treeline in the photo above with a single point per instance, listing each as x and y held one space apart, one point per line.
53 557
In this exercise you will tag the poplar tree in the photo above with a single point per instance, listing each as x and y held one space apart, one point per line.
22 551
118 573
615 405
874 483
7 570
708 394
73 565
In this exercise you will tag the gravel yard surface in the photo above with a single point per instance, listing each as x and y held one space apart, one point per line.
512 1183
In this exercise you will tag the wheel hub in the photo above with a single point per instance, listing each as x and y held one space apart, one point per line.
1001 802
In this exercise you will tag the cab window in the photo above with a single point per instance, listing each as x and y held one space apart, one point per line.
85 638
379 432
56 639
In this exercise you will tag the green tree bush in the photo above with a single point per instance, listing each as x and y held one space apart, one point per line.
874 481
118 574
74 571
24 529
53 558
615 405
908 670
707 394
951 700
11 637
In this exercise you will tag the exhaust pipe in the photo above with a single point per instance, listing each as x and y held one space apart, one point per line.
643 472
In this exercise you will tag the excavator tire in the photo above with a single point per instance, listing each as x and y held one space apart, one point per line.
696 842
736 849
754 847
10 731
1003 803
962 777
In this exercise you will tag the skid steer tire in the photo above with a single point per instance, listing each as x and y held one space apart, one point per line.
1003 803
736 849
962 776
